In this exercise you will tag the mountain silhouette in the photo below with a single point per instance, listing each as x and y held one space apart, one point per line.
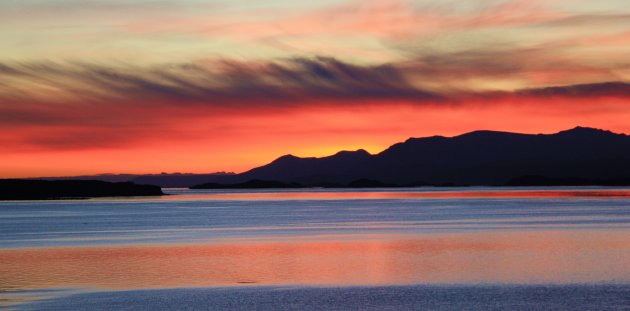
475 158
579 156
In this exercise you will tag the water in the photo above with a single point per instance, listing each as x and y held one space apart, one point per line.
417 248
418 297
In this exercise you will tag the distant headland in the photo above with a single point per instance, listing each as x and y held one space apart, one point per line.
24 189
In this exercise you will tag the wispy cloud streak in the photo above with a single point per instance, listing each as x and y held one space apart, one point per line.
219 82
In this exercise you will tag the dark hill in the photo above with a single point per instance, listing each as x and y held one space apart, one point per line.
164 180
23 189
476 158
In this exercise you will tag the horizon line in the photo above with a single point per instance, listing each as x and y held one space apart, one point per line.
311 157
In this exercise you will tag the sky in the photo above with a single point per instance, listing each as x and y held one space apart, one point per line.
138 86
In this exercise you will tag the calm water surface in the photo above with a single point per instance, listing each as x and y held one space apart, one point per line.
219 248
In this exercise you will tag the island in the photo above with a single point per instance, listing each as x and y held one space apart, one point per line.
30 189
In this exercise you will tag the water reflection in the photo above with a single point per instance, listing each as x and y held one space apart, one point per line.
510 257
400 193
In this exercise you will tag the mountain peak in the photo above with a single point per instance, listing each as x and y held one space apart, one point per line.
581 130
485 133
435 138
358 152
285 158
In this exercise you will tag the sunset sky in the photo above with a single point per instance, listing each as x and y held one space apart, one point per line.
138 86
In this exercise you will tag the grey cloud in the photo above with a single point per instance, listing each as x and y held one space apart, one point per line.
617 89
223 82
280 83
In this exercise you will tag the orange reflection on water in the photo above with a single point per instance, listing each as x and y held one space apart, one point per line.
513 257
421 194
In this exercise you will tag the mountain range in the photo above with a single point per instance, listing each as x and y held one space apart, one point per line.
577 156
